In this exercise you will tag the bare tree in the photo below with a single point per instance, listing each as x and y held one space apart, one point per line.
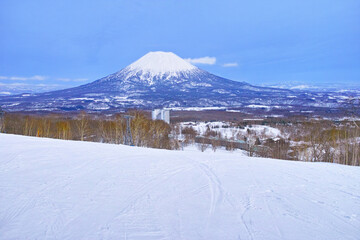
215 143
28 126
2 120
202 144
82 124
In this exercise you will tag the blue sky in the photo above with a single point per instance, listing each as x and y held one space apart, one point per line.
262 42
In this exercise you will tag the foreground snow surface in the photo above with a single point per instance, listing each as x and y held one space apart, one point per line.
54 189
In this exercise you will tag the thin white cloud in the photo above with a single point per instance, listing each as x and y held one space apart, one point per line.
64 79
202 60
42 78
231 64
27 84
38 78
15 78
72 79
18 78
80 79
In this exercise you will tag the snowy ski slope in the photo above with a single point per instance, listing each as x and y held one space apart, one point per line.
54 189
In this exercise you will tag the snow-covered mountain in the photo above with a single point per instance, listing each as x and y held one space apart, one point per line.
162 79
19 88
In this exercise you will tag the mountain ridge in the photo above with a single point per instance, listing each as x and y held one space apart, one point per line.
159 79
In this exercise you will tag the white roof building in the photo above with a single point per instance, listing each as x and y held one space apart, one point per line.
161 114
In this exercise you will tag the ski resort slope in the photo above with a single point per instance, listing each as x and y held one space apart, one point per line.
55 189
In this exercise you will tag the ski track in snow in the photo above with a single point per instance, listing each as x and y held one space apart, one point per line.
53 189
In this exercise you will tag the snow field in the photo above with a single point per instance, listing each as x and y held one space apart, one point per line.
227 131
54 189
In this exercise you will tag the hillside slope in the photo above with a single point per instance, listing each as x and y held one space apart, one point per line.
54 189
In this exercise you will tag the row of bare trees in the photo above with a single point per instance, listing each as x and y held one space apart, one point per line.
326 141
316 141
306 140
85 127
2 125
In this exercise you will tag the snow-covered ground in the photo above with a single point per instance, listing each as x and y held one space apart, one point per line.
228 131
54 189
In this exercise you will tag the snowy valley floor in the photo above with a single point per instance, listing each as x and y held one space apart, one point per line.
54 189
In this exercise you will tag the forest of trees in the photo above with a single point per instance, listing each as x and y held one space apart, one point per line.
326 141
306 140
96 128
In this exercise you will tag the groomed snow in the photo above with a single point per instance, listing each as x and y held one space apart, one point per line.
54 189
